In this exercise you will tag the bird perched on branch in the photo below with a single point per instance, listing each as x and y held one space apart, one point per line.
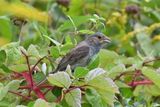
83 52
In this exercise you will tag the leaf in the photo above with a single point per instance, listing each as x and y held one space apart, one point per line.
116 70
2 57
13 55
3 91
102 84
5 29
18 67
107 59
152 75
126 92
60 79
145 42
55 52
13 85
52 40
65 48
94 98
11 45
138 90
13 52
93 63
80 72
41 103
94 73
86 32
78 20
5 68
73 98
32 51
154 88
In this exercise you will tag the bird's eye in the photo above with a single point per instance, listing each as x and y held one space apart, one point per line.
99 37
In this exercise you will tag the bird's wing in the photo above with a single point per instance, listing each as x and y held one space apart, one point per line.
73 57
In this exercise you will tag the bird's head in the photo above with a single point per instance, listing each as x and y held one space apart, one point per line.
98 39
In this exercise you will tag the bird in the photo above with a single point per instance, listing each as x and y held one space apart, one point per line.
82 54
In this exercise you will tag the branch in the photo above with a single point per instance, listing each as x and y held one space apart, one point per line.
37 63
119 76
146 62
25 97
30 73
143 82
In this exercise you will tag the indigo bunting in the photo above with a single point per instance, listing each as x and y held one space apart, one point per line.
83 52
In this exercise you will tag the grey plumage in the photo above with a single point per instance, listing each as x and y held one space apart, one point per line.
83 52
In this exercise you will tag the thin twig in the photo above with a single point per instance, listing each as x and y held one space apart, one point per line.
37 63
146 62
28 98
24 87
120 75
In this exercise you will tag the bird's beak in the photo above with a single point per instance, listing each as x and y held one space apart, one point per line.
107 40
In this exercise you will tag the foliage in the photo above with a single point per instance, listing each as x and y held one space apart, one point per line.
36 34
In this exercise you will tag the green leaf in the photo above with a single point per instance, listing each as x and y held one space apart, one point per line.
3 91
78 20
86 32
116 70
41 103
11 45
107 59
102 84
18 67
93 74
126 92
32 51
68 39
80 72
138 90
5 28
52 40
2 57
5 68
13 54
65 48
152 75
73 98
94 62
60 79
93 98
144 40
55 52
13 85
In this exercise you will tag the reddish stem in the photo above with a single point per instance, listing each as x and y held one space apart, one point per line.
46 86
24 87
28 98
29 70
143 82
